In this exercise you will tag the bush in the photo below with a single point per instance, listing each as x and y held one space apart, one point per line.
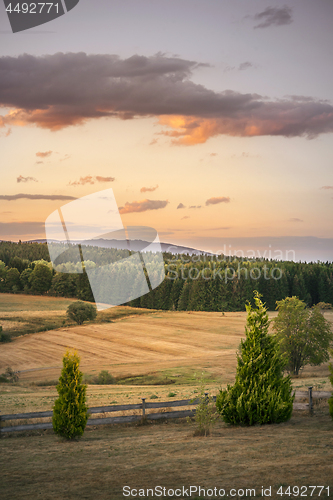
261 394
4 337
81 311
70 410
205 413
104 378
10 375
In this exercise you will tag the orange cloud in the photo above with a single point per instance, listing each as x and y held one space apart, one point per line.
218 199
142 206
145 189
45 154
20 178
89 179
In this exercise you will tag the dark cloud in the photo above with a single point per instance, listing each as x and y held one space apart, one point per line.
36 197
20 178
89 179
295 219
181 206
145 189
142 206
21 228
95 86
186 217
195 206
327 187
42 154
216 200
274 16
245 65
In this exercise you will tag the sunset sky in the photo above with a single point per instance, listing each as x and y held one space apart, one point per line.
211 120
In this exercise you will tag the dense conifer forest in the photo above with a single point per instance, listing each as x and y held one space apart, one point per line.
193 283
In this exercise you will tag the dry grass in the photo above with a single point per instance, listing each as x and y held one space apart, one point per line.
298 452
133 346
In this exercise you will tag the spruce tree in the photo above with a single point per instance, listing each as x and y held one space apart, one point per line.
261 393
70 410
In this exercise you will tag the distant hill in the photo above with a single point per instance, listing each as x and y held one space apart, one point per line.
135 245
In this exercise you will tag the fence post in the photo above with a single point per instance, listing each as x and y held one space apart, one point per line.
143 407
310 399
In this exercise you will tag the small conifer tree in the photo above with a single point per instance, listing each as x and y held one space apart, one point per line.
70 409
261 393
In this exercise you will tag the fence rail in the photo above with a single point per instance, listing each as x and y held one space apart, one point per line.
143 406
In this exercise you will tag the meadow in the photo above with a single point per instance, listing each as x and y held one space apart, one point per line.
156 355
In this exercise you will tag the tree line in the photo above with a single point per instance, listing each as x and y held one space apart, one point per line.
194 283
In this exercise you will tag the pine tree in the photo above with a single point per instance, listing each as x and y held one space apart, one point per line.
261 393
70 410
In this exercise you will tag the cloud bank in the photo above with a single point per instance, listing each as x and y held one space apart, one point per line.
36 197
60 90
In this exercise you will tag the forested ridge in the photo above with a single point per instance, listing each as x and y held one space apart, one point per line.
197 283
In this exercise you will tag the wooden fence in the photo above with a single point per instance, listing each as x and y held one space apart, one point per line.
143 406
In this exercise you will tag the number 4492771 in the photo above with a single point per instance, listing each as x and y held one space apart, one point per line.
304 491
32 8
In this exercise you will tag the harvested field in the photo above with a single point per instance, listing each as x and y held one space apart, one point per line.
132 346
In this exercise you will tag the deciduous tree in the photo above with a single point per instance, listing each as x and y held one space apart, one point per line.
304 333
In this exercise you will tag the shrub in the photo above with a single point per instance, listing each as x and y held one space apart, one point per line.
205 413
70 410
104 378
171 394
4 337
81 311
10 375
261 393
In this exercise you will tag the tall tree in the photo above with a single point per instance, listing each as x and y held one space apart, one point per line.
261 393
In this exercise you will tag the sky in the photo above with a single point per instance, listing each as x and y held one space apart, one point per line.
211 121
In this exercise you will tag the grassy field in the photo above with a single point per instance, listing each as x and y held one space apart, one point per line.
23 314
104 460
